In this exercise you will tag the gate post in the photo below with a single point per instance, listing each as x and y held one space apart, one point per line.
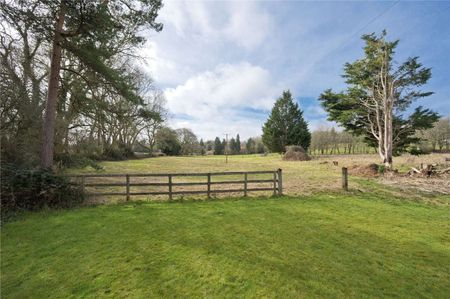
280 182
209 186
345 178
170 187
128 186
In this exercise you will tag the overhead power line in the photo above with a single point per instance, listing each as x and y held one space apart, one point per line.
365 26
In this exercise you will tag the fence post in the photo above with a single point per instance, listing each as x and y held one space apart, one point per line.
170 187
280 182
345 178
274 183
128 186
209 186
245 184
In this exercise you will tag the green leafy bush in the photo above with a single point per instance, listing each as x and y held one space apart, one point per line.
381 168
418 151
36 189
118 153
76 161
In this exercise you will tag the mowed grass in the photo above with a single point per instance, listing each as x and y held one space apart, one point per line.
375 241
326 245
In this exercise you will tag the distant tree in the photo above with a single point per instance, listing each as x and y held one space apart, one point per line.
250 146
209 145
378 93
188 141
232 146
324 141
157 105
202 147
260 148
348 141
334 138
319 141
439 135
285 125
237 145
218 147
167 141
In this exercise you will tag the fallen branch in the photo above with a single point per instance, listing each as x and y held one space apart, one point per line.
415 170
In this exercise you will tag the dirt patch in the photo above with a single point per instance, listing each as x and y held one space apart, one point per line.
432 185
370 170
295 153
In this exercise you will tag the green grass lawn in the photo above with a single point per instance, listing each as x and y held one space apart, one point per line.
326 245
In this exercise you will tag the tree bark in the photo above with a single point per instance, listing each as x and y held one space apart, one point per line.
52 97
388 133
388 144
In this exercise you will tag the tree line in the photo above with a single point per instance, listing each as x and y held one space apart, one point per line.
329 141
71 82
184 142
72 86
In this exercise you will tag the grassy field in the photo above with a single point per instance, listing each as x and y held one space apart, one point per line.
299 178
378 240
328 245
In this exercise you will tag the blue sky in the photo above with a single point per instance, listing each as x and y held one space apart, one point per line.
222 65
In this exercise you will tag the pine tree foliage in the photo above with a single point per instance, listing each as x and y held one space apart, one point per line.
285 125
94 40
237 145
218 147
378 94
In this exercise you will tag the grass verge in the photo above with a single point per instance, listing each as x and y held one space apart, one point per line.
326 245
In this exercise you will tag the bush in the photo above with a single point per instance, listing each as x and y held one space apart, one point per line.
76 161
36 189
419 151
118 153
381 168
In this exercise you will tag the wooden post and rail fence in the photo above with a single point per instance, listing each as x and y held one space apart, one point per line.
275 181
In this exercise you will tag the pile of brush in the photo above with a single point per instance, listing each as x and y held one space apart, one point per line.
428 170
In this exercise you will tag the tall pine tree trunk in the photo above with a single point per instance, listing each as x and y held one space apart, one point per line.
52 96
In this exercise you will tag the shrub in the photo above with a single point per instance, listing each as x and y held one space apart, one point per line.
381 168
118 153
76 161
35 189
419 151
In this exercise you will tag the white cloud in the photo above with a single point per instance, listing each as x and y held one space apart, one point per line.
163 68
212 100
248 25
199 35
243 23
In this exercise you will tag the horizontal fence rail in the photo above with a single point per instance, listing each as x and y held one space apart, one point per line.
274 183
